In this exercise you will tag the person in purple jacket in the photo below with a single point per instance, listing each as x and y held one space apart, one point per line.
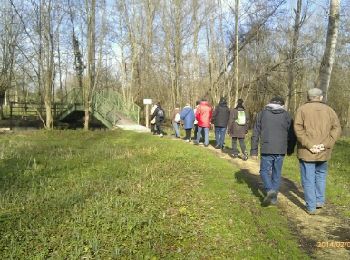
187 117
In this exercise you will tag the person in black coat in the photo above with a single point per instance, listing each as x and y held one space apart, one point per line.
238 128
273 129
159 115
220 119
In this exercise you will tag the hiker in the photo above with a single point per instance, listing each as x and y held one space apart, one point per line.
175 121
220 119
203 116
317 128
187 116
153 121
274 129
195 121
238 128
159 115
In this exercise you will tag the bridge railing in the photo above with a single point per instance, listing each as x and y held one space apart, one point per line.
109 103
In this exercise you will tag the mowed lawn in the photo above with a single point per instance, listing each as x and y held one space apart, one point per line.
114 194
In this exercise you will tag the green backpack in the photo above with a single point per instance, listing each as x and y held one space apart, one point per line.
241 118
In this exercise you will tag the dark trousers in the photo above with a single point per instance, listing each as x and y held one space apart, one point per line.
196 131
188 134
159 127
153 128
234 145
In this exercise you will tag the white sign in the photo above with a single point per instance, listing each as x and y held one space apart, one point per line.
147 101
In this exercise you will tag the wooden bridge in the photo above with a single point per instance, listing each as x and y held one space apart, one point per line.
108 107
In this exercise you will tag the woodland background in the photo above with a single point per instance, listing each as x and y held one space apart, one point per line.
173 51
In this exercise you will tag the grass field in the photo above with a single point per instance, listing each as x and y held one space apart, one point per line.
338 179
113 194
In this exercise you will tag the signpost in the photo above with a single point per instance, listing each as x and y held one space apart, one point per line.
147 102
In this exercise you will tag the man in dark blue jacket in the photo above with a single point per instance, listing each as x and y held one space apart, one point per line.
220 119
274 129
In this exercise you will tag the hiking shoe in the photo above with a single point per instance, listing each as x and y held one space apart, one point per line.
195 143
234 156
244 157
319 206
311 212
269 197
206 145
274 200
217 147
187 140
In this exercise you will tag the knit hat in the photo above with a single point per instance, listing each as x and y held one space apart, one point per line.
314 92
277 100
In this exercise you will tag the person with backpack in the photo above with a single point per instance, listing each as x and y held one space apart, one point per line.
220 119
175 121
187 116
203 115
273 128
238 128
159 115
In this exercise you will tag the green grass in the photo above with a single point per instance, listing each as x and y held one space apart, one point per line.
74 194
338 179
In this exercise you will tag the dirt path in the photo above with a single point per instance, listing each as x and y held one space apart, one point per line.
320 235
324 236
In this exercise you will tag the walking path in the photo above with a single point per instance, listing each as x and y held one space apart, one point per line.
127 124
324 236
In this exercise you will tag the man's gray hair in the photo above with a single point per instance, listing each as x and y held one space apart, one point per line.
314 92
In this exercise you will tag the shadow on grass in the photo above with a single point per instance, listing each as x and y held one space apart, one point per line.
253 181
288 188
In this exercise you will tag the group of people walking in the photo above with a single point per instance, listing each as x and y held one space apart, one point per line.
315 130
201 118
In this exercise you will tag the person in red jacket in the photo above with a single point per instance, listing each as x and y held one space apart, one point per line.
203 115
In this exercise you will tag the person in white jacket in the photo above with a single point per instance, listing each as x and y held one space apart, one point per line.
153 121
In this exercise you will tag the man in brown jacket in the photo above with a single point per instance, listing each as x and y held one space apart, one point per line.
317 128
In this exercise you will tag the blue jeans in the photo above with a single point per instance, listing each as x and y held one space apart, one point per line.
206 135
176 127
313 179
271 170
220 135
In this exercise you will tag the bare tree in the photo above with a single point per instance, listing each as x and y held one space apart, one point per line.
298 21
9 35
88 88
331 41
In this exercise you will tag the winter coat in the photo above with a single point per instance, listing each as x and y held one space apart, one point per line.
156 116
204 114
274 129
316 123
234 129
153 121
221 115
187 116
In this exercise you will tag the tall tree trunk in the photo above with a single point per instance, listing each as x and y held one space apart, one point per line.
48 72
91 64
329 53
236 50
293 53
